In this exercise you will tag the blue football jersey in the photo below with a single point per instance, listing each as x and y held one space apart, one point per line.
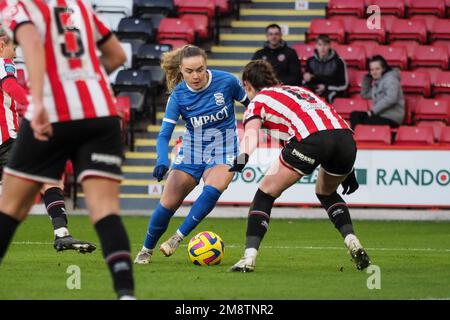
209 115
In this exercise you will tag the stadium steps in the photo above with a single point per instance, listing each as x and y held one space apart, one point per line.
237 46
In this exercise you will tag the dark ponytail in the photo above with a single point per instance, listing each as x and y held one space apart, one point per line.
260 74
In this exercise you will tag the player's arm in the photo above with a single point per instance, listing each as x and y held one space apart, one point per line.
14 90
162 142
239 92
113 56
27 36
248 144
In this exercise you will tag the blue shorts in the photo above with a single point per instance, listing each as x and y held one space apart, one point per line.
197 169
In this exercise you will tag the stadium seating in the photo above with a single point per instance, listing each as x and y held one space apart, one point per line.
136 28
114 6
410 106
174 43
355 79
304 51
404 29
395 56
135 84
409 46
430 56
442 83
347 21
200 23
394 7
432 109
196 6
429 20
436 7
176 29
436 126
149 58
444 139
224 6
360 31
353 55
333 28
165 7
346 7
413 136
111 19
416 82
442 43
372 135
345 106
440 30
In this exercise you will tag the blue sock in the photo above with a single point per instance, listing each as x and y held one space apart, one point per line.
200 209
159 221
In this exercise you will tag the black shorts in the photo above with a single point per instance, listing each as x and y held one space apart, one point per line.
334 150
5 152
93 145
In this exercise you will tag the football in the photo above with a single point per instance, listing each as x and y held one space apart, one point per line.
206 249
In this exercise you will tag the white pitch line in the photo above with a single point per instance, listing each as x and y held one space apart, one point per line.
280 247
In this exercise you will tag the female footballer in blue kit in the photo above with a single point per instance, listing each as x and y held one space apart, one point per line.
205 100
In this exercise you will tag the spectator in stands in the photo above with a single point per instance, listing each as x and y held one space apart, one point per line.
382 86
326 72
282 58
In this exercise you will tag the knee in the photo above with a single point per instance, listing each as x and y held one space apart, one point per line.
170 204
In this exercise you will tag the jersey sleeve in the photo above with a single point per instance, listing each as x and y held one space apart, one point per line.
101 32
238 90
172 110
7 69
12 16
253 111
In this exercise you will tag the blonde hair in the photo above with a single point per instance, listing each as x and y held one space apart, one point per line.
171 62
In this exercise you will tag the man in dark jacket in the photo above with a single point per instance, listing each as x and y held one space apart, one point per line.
326 72
283 58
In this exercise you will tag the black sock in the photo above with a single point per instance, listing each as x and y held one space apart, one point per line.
258 219
54 202
338 212
116 251
8 226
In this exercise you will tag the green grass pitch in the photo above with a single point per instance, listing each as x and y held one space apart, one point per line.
299 259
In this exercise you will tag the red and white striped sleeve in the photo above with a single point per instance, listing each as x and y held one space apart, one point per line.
101 31
254 110
13 15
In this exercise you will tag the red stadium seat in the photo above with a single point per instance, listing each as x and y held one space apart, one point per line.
429 20
395 7
369 135
353 55
409 46
442 43
388 21
200 23
123 106
346 7
304 51
436 7
224 6
345 106
436 126
333 28
360 31
177 29
430 56
347 21
404 29
432 109
369 46
440 30
444 139
196 6
408 135
416 82
442 83
395 56
410 107
432 72
355 78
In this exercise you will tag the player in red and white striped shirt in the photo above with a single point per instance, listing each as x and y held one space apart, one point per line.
71 116
314 134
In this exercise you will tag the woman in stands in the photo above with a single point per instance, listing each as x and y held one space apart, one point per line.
314 134
205 100
382 86
71 116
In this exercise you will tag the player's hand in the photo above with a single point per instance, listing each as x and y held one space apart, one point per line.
239 163
350 184
40 123
160 171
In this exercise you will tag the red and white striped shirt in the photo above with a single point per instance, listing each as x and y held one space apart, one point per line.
75 84
288 111
9 123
